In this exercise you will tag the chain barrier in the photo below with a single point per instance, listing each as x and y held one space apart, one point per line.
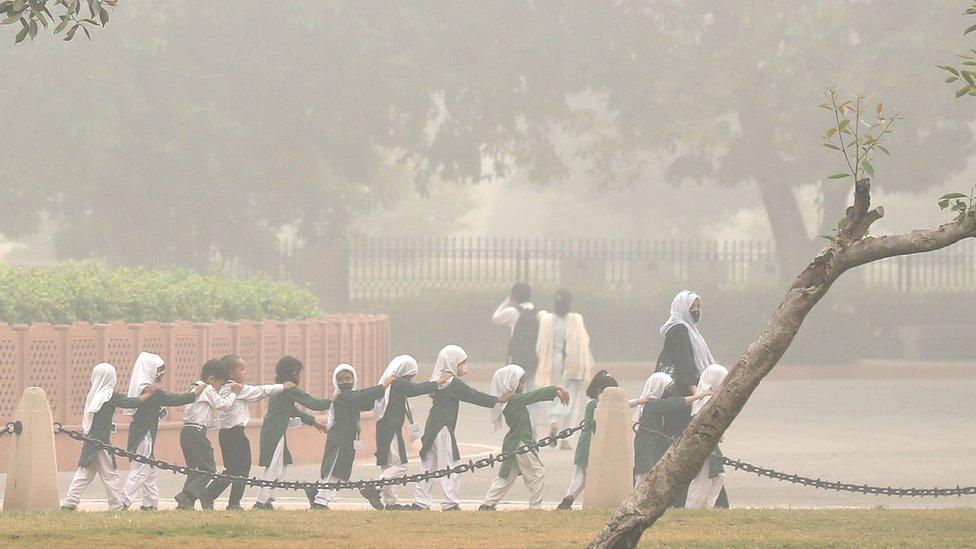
12 428
472 465
490 460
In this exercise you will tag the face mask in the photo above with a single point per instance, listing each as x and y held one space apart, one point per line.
696 315
345 386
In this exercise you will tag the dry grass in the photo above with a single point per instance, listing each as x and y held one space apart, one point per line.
737 528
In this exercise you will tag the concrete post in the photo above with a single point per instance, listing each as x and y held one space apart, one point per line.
32 482
609 474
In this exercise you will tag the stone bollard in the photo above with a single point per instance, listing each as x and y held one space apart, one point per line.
32 481
610 472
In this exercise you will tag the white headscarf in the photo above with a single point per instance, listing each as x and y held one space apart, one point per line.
711 378
506 379
143 375
448 360
335 383
103 380
400 366
681 314
654 387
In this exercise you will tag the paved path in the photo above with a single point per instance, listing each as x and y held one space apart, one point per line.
912 428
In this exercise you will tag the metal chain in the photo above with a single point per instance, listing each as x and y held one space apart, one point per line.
471 465
12 428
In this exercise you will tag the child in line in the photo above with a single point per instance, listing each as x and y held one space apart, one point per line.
100 405
705 488
343 439
235 448
390 412
274 455
147 371
439 445
197 450
600 381
654 407
511 379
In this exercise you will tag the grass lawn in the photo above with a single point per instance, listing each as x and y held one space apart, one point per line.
736 528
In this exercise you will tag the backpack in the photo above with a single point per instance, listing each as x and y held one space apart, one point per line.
521 348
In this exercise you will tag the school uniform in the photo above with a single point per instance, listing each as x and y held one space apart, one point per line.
390 413
197 451
438 445
274 455
343 436
235 448
141 481
708 485
582 457
97 424
529 466
652 441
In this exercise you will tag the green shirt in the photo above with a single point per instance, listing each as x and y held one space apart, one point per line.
520 423
146 418
281 408
340 450
444 412
582 458
102 426
651 442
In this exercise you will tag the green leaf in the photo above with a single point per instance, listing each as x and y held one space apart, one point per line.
843 125
11 19
19 5
831 146
969 30
64 23
969 78
84 28
951 79
883 149
831 132
963 91
71 33
102 15
839 176
943 204
952 196
867 167
879 109
950 69
21 35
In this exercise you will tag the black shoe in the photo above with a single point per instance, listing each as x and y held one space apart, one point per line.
206 503
566 504
372 495
318 507
233 508
258 506
451 508
394 507
415 507
183 502
68 508
147 508
310 493
485 507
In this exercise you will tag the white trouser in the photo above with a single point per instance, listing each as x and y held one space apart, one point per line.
326 495
530 468
578 483
439 456
142 478
274 471
394 468
100 465
703 490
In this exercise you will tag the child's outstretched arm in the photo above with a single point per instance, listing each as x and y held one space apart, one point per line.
469 394
163 398
121 401
308 401
542 394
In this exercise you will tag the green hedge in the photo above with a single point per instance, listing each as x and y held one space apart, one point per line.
85 292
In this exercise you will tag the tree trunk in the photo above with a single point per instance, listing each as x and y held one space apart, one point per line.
685 457
786 223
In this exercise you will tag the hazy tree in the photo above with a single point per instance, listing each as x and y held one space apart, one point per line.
857 133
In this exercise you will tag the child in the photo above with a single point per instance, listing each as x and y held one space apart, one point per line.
390 412
511 379
343 437
653 408
148 370
197 450
707 485
274 455
100 405
235 448
438 445
600 381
